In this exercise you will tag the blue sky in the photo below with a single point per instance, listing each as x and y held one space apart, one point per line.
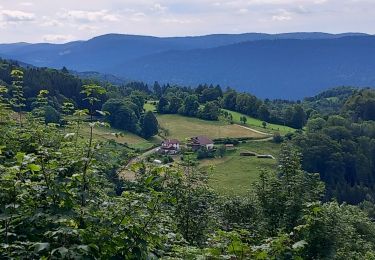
67 20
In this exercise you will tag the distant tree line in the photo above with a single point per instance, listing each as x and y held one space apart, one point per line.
206 102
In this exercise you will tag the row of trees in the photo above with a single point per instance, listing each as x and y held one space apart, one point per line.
206 101
189 106
289 113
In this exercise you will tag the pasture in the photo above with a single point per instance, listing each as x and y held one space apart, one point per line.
181 128
257 124
233 175
132 140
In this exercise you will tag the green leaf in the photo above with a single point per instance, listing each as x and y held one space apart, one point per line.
34 168
149 180
84 248
2 148
299 244
41 246
20 156
61 250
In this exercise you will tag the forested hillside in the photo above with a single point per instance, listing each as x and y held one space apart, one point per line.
288 69
114 49
337 140
61 195
289 66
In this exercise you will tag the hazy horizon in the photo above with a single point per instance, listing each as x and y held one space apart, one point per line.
183 36
58 22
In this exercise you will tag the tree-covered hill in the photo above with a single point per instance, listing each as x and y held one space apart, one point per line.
289 69
289 66
335 128
102 51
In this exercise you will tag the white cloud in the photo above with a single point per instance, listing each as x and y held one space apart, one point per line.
86 27
159 8
320 1
16 16
57 38
176 21
137 17
26 4
90 16
301 10
243 11
48 22
281 18
282 15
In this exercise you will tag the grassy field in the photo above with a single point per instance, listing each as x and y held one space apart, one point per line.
257 124
181 127
133 141
234 174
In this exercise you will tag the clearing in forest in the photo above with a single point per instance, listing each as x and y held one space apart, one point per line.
257 124
181 128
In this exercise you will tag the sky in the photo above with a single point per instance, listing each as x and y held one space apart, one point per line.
68 20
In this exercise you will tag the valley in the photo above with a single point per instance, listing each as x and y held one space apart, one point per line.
95 166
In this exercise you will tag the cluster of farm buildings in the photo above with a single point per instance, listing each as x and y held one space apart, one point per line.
173 146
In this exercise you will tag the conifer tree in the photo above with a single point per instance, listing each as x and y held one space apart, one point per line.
18 100
4 105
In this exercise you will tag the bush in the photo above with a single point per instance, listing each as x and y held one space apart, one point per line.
167 159
234 141
277 138
221 150
51 115
289 136
204 153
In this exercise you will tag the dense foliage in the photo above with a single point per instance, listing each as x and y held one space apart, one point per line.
60 197
124 104
337 143
206 102
342 149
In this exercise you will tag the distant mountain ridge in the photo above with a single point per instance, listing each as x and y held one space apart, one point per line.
291 65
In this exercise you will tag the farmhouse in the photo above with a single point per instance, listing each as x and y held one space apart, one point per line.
201 141
170 146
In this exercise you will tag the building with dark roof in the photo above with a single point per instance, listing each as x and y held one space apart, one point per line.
201 142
